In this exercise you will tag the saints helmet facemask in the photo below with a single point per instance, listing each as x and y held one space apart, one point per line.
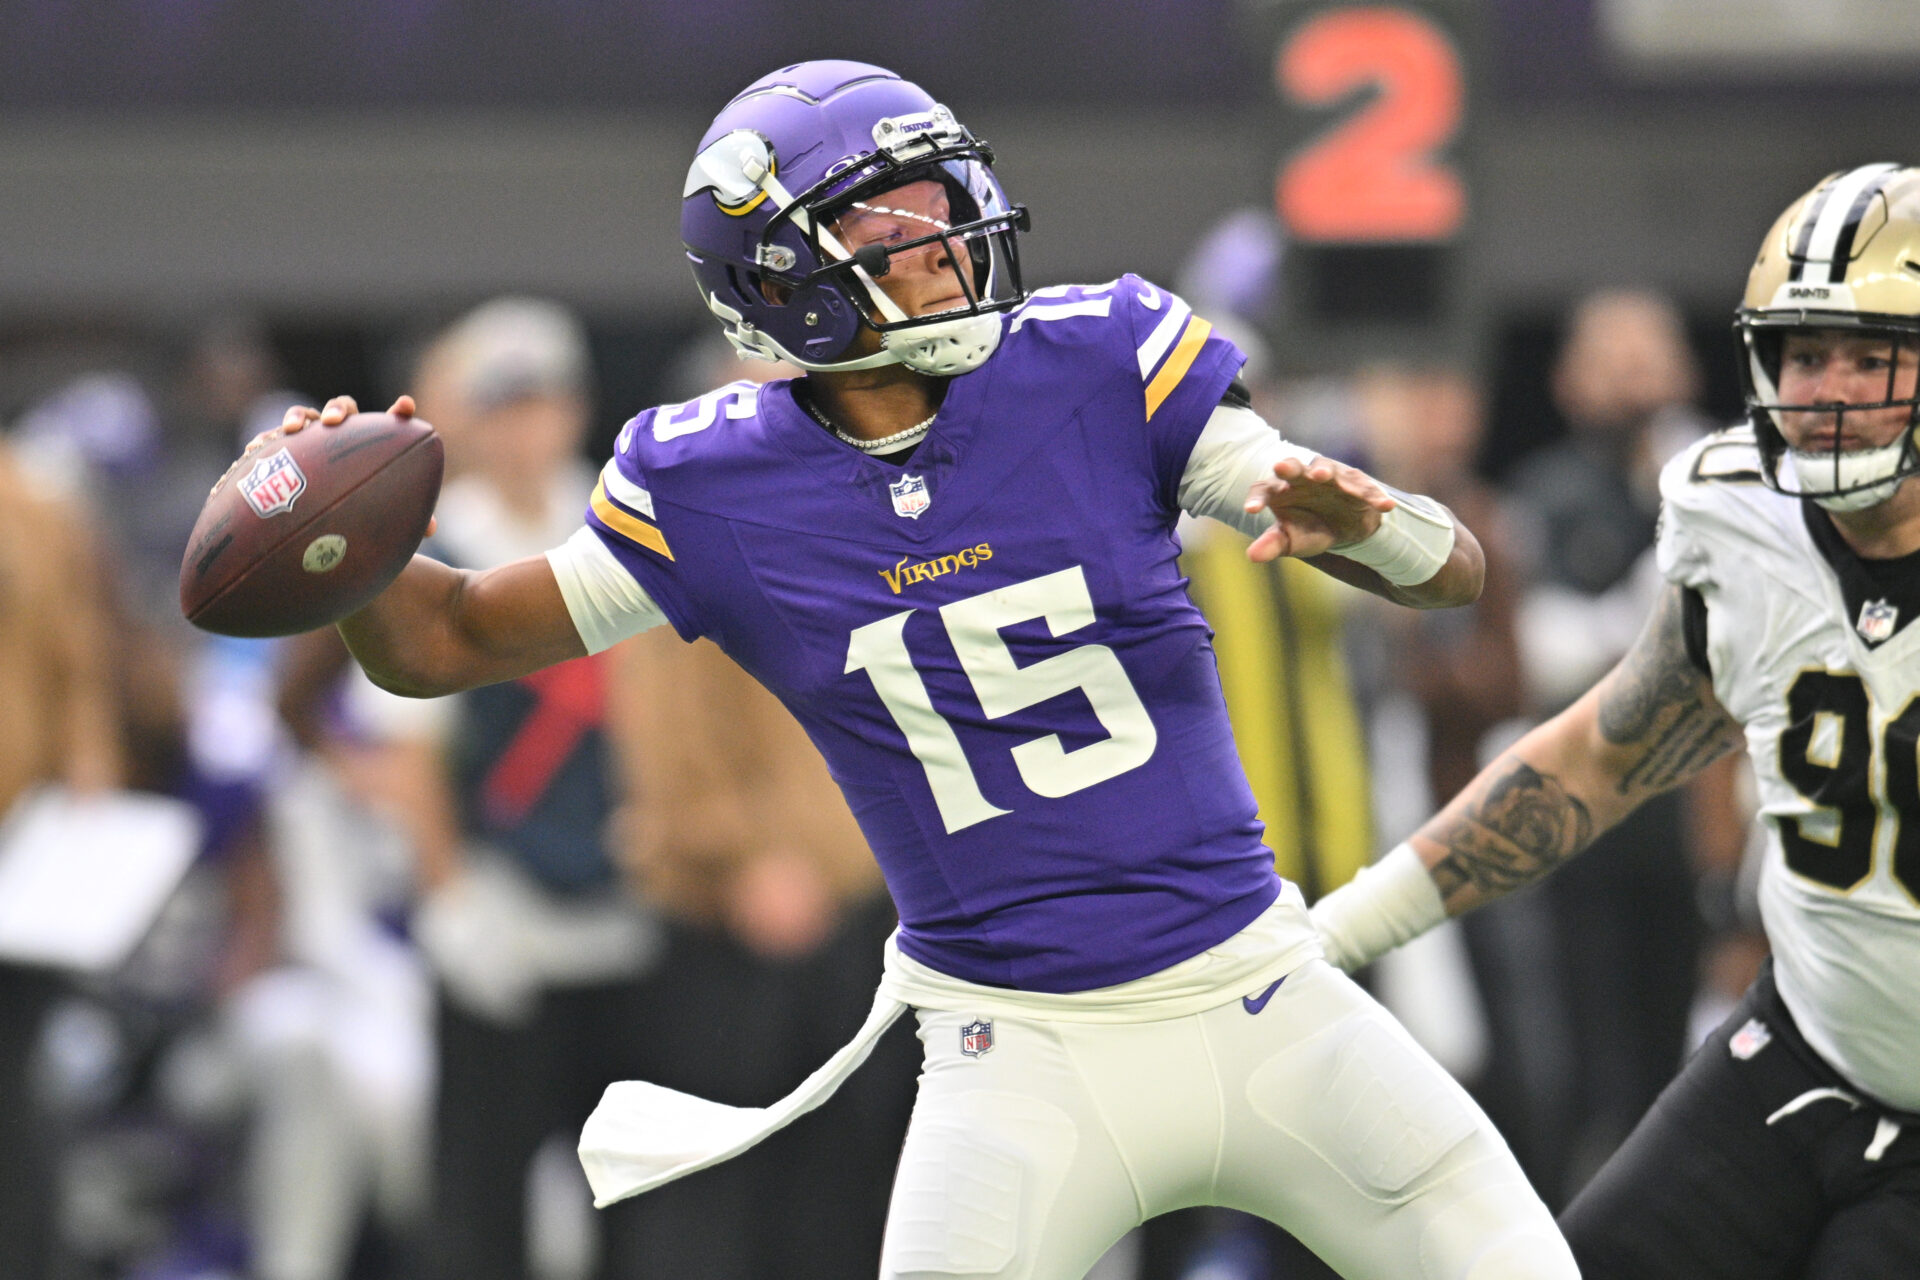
1844 258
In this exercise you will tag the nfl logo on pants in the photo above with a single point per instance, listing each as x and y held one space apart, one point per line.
976 1038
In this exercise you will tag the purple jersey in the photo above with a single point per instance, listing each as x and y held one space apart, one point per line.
992 645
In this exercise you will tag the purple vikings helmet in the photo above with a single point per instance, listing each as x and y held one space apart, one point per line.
790 153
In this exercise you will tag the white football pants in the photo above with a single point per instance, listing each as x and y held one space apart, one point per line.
1317 1112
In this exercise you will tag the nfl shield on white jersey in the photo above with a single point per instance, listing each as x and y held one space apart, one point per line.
1877 621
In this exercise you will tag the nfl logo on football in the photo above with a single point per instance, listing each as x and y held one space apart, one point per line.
976 1038
273 484
1877 618
910 496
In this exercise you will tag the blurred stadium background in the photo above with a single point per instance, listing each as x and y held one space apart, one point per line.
210 209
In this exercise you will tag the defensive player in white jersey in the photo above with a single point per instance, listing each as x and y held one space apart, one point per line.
949 550
1790 1144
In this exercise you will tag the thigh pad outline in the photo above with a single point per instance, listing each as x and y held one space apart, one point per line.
976 1183
1366 1102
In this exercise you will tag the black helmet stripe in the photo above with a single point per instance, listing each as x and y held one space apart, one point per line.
1827 230
1843 247
1797 257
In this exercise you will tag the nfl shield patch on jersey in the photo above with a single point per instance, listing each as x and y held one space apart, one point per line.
1877 620
976 1038
910 496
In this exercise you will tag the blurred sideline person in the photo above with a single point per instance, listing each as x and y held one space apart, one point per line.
150 1097
336 1033
323 1007
1424 425
1444 688
60 721
775 919
1439 686
948 549
1789 1147
775 916
533 935
1590 1047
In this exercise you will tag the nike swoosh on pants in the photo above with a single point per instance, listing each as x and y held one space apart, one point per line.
1254 1004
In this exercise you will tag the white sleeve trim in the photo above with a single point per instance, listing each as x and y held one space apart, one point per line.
1161 339
625 491
1236 448
604 601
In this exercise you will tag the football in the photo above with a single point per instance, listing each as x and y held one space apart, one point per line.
307 528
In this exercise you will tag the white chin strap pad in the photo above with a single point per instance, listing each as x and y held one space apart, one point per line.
946 347
1872 468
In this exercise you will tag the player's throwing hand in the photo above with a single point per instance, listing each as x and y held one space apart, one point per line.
337 411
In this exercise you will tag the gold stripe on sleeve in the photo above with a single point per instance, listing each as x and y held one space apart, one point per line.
631 527
1185 352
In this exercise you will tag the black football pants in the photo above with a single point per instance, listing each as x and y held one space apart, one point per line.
1707 1188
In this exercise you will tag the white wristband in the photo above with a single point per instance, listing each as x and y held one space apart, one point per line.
1387 904
1411 544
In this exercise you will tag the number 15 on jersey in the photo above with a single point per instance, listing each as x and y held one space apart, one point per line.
973 625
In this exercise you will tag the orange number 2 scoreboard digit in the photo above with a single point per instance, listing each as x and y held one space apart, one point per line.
1377 176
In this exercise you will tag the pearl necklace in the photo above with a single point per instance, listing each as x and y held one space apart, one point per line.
885 444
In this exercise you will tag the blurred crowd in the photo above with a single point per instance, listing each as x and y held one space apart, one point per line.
357 1039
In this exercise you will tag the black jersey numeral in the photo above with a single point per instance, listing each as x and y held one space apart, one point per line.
1826 754
1902 740
1834 773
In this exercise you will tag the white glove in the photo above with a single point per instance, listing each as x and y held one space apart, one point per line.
1388 903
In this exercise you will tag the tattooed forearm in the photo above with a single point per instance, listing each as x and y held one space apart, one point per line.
1651 724
1509 831
1658 707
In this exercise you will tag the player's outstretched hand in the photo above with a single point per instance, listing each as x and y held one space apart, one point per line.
1317 504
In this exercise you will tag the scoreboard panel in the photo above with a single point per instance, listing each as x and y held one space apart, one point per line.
1372 187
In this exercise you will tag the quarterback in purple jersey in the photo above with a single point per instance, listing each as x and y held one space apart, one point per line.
988 641
949 549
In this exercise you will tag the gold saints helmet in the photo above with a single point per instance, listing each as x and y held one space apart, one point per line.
1846 255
